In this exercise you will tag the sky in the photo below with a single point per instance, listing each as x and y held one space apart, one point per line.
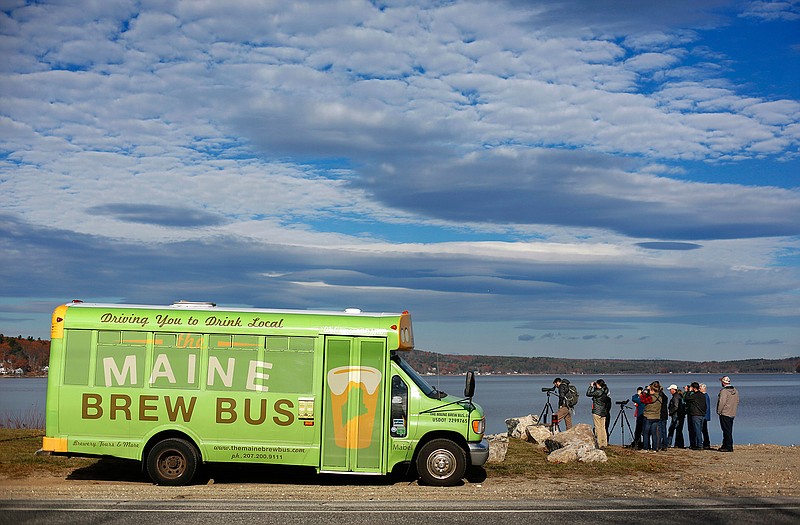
581 179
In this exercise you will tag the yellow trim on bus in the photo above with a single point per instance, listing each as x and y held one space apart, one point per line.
57 326
54 444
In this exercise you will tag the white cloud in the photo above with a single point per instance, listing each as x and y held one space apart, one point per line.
419 148
772 10
646 62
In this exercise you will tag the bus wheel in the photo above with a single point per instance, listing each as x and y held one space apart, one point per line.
172 462
441 463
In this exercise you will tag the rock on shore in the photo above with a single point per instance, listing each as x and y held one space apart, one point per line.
498 447
575 444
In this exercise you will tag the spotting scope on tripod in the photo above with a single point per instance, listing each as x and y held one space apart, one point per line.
622 417
547 411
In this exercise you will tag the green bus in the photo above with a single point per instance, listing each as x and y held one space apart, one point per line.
178 386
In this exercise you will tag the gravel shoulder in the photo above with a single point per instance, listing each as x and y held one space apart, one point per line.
751 471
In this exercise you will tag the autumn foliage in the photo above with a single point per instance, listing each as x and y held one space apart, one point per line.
29 354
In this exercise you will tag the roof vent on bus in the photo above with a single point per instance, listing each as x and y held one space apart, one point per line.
352 310
193 304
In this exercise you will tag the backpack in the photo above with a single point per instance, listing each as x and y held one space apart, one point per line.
571 397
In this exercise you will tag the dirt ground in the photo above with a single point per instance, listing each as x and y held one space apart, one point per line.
752 470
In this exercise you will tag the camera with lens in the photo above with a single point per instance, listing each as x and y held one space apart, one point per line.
622 402
545 389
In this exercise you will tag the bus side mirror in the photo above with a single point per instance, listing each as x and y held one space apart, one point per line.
469 388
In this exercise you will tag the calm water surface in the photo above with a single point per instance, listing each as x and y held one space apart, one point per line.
22 400
769 410
769 406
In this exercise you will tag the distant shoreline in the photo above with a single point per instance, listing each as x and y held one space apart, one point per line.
612 374
540 374
451 364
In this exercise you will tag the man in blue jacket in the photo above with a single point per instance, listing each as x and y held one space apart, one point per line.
639 415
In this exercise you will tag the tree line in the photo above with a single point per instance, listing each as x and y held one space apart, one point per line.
32 355
445 364
25 353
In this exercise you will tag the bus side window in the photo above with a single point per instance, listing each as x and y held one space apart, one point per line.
399 407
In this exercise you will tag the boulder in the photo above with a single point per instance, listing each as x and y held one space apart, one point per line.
551 445
593 455
517 425
511 424
538 434
563 455
579 434
498 446
575 444
573 452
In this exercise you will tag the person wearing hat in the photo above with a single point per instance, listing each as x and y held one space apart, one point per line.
677 414
727 403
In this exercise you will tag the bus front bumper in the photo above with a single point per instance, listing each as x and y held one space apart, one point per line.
479 453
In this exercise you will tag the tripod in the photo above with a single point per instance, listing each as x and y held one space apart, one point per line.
547 410
621 415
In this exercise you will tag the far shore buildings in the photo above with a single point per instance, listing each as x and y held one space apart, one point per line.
7 370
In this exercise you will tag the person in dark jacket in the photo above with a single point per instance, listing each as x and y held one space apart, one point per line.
696 411
564 411
664 416
639 415
707 419
687 392
677 415
598 391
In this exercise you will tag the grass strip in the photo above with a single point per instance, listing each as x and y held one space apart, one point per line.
523 460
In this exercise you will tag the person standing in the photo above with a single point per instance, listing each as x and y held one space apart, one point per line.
677 415
639 415
687 393
707 418
564 409
696 410
651 434
664 416
608 412
727 403
598 391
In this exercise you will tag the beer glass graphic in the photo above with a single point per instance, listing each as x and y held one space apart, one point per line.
343 381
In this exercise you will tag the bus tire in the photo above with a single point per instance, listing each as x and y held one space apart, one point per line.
172 462
441 463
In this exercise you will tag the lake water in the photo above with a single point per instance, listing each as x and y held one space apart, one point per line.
22 400
769 410
769 406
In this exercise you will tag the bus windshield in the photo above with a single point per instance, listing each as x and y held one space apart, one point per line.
428 390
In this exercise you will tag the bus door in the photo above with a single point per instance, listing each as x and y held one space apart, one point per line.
353 422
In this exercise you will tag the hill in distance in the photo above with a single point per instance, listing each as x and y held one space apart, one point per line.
447 364
33 355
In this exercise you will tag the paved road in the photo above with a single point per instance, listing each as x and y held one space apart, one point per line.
775 511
